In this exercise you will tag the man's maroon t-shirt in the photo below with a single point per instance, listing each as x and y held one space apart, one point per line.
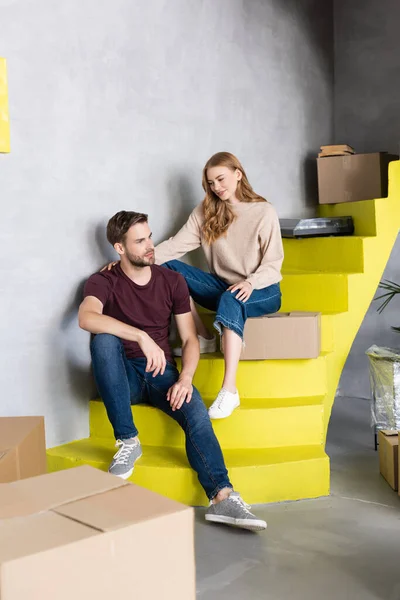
147 307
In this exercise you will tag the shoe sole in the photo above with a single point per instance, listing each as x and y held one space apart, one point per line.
225 416
128 473
238 523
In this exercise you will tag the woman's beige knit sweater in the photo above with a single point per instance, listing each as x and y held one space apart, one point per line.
251 250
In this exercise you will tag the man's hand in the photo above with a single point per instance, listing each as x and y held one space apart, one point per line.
109 266
155 356
246 289
180 392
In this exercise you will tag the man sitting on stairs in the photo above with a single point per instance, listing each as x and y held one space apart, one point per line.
129 310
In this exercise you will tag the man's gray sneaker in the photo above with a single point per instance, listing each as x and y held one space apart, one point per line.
124 460
235 512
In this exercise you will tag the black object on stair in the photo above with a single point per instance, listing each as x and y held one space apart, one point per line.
316 227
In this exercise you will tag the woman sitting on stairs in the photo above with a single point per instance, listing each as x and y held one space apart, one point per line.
239 233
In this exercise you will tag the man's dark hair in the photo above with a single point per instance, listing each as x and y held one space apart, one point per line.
119 224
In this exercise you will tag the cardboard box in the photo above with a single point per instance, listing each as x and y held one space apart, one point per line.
354 177
82 534
22 448
282 336
389 457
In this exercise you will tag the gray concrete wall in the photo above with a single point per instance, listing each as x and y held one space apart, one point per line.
118 105
367 74
367 116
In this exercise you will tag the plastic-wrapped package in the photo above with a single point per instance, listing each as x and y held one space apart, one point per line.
384 369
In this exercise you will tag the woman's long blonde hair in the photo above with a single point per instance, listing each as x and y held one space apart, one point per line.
218 215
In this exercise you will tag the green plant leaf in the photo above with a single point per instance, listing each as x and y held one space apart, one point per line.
391 288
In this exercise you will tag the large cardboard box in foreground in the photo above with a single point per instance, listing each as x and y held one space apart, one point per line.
22 448
82 534
354 177
282 336
389 457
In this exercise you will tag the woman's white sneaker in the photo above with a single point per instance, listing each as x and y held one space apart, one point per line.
224 404
206 346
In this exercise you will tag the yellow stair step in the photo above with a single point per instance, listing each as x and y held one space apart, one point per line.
329 254
320 292
271 475
264 378
257 423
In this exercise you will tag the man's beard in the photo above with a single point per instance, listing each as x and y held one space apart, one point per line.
140 261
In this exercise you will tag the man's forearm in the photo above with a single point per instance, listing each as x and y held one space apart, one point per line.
190 357
97 323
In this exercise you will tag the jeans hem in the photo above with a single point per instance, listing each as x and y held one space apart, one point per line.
219 487
228 324
126 437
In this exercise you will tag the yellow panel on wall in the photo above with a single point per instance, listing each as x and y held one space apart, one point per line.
4 119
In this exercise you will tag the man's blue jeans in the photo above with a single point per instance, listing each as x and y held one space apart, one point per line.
210 291
122 382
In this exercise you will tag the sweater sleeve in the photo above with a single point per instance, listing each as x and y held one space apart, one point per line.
270 240
187 239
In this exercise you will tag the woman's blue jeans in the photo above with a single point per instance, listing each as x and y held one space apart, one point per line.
210 291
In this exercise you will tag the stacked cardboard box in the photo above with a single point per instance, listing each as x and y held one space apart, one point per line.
336 150
281 336
353 177
22 448
82 534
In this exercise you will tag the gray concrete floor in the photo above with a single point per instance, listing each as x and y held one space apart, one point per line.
346 546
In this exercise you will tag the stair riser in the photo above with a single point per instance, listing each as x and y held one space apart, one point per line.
330 254
264 428
265 379
258 484
326 293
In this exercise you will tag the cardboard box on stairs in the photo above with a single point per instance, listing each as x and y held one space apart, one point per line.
282 336
22 448
353 177
82 533
389 457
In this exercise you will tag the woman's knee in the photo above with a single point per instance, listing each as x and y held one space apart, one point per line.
229 299
230 308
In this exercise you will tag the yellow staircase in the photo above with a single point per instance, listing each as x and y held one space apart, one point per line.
274 444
